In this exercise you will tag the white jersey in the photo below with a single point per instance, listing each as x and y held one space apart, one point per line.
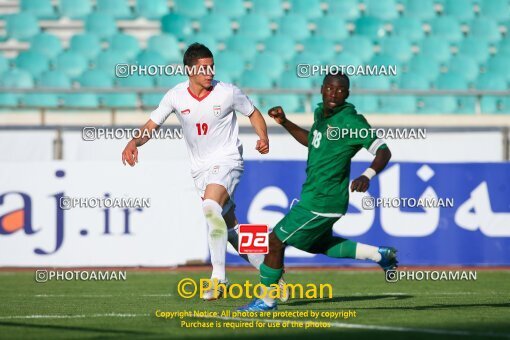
209 124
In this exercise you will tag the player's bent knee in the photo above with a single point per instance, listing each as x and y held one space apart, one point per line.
275 244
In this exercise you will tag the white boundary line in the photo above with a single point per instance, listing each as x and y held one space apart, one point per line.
333 324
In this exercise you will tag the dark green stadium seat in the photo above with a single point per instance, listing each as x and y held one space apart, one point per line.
166 45
71 63
86 44
204 38
136 81
491 82
345 9
410 28
217 25
152 10
152 99
21 26
149 58
40 100
243 45
75 9
229 62
176 25
476 48
125 44
281 45
16 79
101 24
255 26
424 66
269 64
397 47
495 9
34 62
107 60
419 9
255 80
80 100
316 43
485 28
370 27
118 100
460 9
271 9
359 46
499 65
310 9
382 9
413 81
446 27
54 79
435 48
46 44
465 65
42 9
397 104
289 80
119 9
332 28
170 81
294 26
365 103
451 81
289 102
190 8
437 104
96 78
233 9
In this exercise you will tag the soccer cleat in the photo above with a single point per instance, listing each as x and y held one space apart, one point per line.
257 305
215 293
284 291
388 258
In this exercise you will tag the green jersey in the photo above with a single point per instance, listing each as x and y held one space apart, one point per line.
332 143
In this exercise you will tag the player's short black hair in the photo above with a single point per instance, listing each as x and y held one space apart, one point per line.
194 52
340 76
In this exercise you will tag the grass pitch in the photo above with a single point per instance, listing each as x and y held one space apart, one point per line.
126 309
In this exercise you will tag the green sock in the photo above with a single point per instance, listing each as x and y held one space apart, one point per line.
269 276
341 248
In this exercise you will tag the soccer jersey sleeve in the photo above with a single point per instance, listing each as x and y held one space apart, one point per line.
164 109
242 103
362 134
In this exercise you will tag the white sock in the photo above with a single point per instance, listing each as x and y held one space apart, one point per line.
254 259
366 252
217 237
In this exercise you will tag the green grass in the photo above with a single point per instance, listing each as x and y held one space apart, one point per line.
403 310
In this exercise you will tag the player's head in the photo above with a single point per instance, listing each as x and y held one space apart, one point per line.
199 61
335 90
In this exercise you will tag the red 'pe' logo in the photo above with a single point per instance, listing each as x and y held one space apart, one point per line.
253 239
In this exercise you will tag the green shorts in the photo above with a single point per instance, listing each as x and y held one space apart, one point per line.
305 230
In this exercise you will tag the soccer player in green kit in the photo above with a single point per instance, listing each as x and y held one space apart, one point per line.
325 194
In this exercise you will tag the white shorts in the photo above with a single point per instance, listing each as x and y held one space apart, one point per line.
227 175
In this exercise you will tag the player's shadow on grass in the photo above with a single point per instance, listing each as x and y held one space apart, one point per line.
72 328
348 299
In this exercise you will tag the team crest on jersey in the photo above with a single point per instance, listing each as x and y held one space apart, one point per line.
217 110
185 112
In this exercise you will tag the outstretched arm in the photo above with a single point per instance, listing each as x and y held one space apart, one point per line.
130 153
300 134
259 125
382 157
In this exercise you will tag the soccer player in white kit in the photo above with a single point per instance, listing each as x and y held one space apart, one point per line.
206 110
